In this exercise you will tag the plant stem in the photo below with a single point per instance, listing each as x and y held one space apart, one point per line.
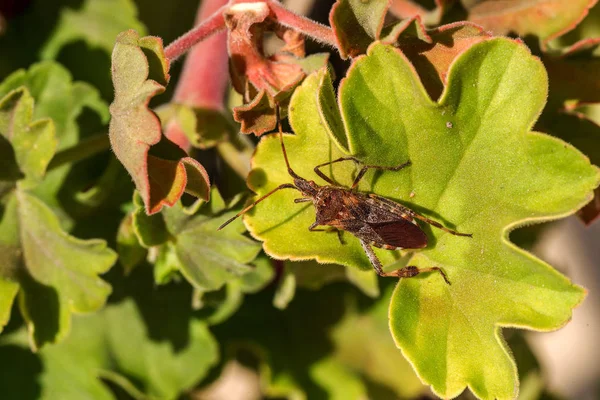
84 149
314 30
213 24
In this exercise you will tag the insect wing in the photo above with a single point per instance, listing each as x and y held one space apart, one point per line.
400 233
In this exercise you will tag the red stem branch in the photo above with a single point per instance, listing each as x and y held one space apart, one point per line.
205 74
314 30
211 25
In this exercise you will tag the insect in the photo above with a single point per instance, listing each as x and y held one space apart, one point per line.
374 220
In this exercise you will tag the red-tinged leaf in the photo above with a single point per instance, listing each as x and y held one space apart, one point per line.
408 9
258 116
161 170
546 19
357 24
411 28
432 59
261 79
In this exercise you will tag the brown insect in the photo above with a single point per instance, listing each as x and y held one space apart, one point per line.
374 220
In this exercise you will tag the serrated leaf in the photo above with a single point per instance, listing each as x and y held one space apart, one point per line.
97 23
209 258
151 345
476 168
161 170
356 24
57 97
55 274
33 142
66 267
546 19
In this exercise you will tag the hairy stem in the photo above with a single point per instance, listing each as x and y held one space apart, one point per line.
211 25
314 30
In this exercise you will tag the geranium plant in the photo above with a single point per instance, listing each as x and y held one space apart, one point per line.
115 281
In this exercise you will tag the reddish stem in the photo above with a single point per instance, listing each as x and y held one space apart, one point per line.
211 25
314 30
205 73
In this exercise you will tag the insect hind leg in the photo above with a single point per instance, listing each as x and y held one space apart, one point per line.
439 226
406 272
411 270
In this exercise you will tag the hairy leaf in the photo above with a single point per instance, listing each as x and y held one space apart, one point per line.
356 24
476 168
546 19
57 97
55 273
161 170
150 345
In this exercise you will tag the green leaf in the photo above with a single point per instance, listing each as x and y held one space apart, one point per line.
130 250
150 344
356 24
98 22
56 274
65 271
476 168
57 97
209 258
161 170
33 143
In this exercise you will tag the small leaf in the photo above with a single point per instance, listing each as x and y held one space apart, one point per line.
475 167
546 19
161 170
57 97
209 258
130 250
97 23
33 143
151 345
356 24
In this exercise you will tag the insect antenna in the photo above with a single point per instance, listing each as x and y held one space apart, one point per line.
287 163
283 186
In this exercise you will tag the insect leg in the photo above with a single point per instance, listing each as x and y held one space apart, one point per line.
438 225
302 200
373 258
313 228
325 177
406 272
365 168
230 220
411 270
